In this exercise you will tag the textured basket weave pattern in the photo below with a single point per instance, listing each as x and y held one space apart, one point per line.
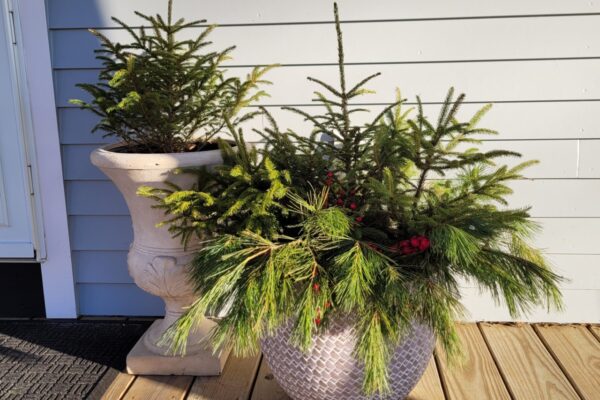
330 372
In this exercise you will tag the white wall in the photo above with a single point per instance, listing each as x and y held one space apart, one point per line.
538 61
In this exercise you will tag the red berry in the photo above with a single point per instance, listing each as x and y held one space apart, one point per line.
327 304
414 241
340 202
359 219
353 206
404 244
318 321
316 287
424 243
329 182
330 174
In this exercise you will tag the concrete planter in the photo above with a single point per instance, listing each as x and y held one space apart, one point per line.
329 371
157 262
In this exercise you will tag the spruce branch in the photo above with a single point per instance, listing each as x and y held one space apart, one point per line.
159 93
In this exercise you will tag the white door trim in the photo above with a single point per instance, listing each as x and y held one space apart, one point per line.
57 269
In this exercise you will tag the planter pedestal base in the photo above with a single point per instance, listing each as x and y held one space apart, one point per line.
142 361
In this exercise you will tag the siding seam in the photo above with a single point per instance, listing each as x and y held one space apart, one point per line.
356 21
407 62
411 103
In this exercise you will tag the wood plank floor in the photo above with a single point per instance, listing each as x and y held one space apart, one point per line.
501 361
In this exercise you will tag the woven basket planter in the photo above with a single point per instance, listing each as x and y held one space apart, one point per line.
329 370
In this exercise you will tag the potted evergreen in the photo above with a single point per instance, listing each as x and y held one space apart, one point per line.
340 259
166 100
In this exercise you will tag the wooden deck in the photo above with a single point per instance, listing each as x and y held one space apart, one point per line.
502 361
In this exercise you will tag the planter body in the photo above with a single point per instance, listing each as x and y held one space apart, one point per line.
157 262
329 370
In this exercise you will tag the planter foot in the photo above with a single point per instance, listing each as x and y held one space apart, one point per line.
142 361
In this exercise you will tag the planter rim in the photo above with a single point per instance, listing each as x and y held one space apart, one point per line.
104 157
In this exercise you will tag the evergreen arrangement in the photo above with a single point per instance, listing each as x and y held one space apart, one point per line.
376 226
245 193
162 94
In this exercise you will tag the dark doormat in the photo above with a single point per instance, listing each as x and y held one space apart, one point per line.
62 359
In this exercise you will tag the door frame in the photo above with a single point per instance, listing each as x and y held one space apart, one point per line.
34 70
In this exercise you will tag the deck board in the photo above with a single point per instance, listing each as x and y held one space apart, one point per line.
430 386
477 376
529 370
118 387
578 353
595 329
159 388
266 387
234 383
502 361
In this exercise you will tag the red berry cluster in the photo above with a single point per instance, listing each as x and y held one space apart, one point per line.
415 244
329 180
317 288
341 200
318 312
349 202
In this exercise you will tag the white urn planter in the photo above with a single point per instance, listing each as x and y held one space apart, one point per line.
330 370
157 262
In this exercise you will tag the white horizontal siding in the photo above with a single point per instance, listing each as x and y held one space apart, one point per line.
96 13
537 61
589 161
385 42
103 233
545 151
558 236
555 120
557 198
483 82
581 271
568 235
101 266
94 198
77 166
117 299
580 306
558 120
548 198
76 126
